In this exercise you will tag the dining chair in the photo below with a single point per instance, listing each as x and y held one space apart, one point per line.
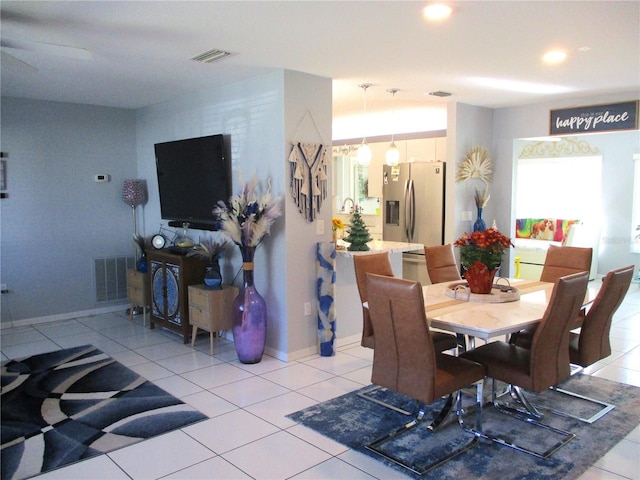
592 342
406 361
543 365
441 263
378 263
560 261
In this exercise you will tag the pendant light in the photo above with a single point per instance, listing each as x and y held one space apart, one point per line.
393 154
364 152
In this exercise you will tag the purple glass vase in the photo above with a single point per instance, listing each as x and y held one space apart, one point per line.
249 315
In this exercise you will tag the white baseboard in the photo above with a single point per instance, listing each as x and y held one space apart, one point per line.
63 316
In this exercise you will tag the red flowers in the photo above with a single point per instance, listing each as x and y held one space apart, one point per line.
484 246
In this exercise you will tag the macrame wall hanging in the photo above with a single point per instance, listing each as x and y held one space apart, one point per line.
308 175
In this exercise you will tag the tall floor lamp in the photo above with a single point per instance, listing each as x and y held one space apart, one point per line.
134 193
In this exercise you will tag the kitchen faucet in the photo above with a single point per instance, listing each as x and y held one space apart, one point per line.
344 204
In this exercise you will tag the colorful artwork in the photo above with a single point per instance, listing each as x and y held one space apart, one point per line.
548 229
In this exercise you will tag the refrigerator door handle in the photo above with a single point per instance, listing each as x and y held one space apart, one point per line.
412 209
406 212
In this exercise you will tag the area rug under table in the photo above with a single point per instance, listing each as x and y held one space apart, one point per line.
73 404
355 422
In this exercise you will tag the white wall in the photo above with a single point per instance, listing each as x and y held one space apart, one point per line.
56 219
261 115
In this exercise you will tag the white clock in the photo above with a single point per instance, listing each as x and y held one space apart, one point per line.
158 241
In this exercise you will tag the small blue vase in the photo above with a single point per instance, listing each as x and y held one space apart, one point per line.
479 225
141 264
212 277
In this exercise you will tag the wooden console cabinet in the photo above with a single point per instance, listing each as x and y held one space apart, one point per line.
170 275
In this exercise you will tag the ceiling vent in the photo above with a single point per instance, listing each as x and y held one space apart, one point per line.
210 56
440 93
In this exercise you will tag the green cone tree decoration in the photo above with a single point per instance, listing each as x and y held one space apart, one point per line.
358 233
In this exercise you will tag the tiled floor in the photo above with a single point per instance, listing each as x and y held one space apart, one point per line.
247 435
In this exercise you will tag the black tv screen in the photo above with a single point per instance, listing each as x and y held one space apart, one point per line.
193 175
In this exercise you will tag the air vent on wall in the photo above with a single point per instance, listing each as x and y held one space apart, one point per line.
440 93
210 56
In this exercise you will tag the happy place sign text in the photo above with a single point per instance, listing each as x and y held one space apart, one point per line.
595 118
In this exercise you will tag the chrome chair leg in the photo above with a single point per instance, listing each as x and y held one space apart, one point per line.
366 394
527 418
445 412
606 407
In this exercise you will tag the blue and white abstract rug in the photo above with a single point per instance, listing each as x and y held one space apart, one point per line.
70 405
355 422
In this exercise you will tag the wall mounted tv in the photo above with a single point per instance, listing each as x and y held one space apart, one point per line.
193 175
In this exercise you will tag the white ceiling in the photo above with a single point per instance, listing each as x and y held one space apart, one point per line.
140 50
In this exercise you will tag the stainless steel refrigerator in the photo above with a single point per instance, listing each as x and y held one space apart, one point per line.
413 197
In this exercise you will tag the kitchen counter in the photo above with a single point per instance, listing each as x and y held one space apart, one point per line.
377 246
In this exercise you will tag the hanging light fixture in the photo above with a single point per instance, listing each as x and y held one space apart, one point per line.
364 152
393 154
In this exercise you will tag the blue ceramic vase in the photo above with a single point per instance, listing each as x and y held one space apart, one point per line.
479 225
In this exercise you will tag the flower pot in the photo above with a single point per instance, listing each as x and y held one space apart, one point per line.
480 278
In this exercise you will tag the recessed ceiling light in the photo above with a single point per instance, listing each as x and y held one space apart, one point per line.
436 11
554 56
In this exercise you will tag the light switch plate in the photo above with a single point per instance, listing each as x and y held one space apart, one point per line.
320 227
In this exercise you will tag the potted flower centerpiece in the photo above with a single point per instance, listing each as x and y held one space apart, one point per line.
211 251
246 219
481 255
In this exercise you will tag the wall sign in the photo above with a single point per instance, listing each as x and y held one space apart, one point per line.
595 118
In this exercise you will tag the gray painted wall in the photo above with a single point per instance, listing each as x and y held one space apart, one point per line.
56 218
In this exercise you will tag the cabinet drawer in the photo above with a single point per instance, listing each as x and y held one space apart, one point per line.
199 318
139 296
198 297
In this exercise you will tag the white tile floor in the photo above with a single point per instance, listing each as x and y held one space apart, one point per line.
247 435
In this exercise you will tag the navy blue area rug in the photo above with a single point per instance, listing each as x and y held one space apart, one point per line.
355 422
70 405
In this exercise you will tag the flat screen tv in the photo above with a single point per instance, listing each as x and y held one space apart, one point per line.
193 175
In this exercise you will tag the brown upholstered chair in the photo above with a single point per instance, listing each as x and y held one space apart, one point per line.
379 264
546 363
560 261
406 361
592 343
441 263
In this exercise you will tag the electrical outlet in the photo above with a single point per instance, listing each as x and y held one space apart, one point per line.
320 227
466 216
307 309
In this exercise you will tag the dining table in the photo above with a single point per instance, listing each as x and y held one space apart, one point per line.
512 305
